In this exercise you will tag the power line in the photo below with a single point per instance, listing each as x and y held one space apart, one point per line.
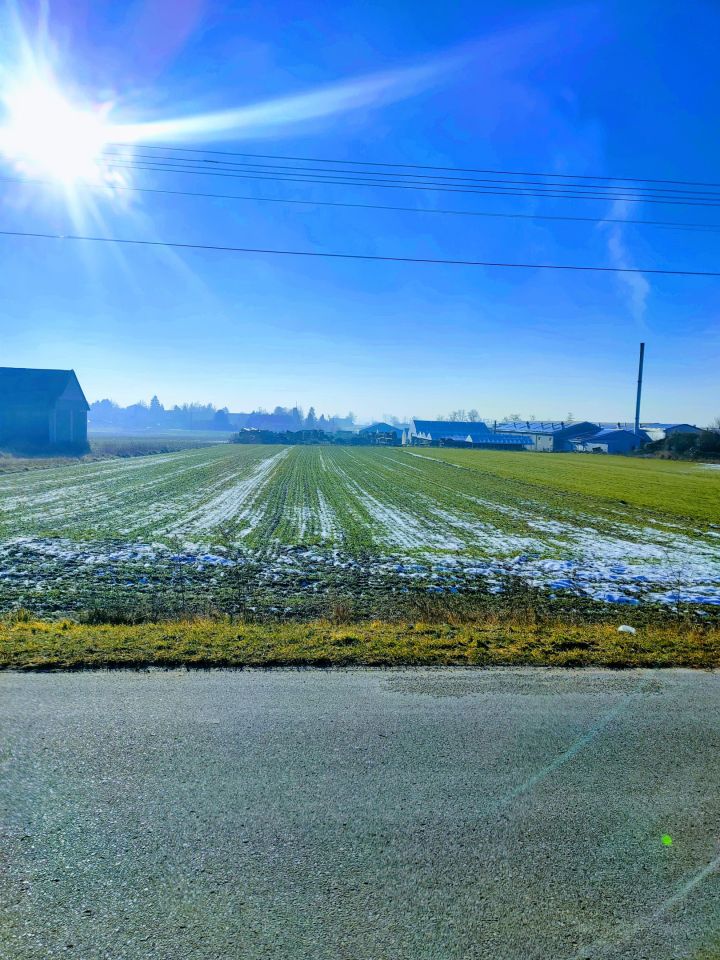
324 180
421 166
403 177
358 256
574 190
378 206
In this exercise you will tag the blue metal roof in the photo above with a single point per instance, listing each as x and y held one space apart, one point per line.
381 428
442 429
613 431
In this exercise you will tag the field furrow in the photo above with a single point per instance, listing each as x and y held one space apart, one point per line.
566 523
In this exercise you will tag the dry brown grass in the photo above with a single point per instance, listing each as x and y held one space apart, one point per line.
27 644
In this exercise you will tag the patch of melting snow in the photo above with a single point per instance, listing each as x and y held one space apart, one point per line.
484 536
34 562
326 519
236 502
400 527
446 463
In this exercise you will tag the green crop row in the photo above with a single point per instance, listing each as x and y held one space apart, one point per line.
383 501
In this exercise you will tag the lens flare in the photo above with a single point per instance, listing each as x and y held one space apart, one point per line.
43 133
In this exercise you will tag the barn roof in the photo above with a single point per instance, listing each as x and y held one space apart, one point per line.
381 428
613 431
43 385
450 428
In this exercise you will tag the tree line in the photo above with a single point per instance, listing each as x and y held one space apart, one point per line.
153 416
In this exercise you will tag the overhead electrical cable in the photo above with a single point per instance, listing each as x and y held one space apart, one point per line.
425 178
221 248
112 188
421 166
163 168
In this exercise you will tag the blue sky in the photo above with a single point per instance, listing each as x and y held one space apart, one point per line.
606 88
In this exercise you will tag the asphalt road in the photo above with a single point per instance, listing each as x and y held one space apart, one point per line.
360 815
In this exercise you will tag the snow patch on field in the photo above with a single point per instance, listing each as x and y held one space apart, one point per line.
239 502
397 526
327 520
34 567
483 536
445 463
101 490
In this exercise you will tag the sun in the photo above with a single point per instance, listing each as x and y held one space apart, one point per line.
42 133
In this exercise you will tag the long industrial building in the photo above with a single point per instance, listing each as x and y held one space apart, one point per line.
541 436
472 432
547 436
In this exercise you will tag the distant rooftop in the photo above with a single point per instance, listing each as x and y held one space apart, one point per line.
450 428
539 426
381 428
608 431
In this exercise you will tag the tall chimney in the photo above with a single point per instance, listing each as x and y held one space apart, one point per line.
639 388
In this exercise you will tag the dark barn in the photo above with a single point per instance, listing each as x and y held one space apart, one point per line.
42 410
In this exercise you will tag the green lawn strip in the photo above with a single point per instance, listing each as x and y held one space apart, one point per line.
65 645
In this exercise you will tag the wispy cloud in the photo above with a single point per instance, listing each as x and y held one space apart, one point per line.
635 285
273 116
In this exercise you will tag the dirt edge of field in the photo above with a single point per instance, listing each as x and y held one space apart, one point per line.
66 645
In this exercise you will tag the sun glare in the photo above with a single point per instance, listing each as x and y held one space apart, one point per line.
43 133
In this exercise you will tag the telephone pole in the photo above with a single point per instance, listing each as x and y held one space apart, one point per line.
639 388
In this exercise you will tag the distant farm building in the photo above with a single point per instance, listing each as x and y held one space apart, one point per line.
551 436
383 434
42 409
659 431
457 432
558 436
611 440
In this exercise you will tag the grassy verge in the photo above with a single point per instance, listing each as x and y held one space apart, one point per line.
65 645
